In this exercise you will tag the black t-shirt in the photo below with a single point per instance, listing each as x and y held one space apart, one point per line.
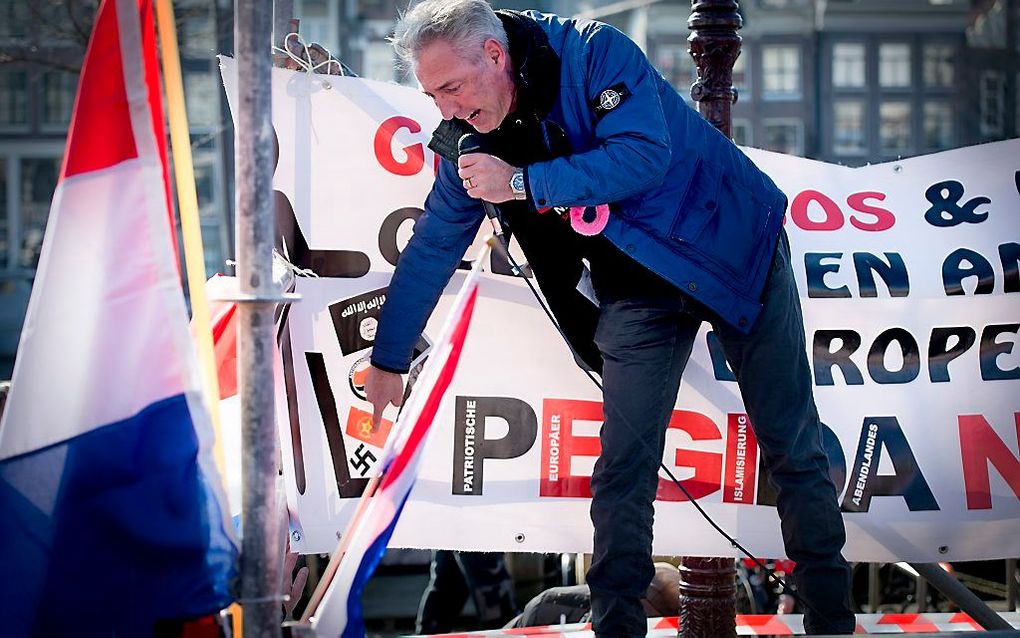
616 275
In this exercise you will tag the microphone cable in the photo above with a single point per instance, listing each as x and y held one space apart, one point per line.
504 249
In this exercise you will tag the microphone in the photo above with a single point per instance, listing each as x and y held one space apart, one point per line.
471 143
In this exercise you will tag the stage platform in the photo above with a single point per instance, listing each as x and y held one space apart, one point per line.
788 625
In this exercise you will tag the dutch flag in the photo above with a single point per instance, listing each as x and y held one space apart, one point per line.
339 613
111 513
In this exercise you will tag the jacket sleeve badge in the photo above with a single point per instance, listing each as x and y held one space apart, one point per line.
609 99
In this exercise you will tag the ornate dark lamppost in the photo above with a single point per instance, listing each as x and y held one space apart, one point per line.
715 46
708 585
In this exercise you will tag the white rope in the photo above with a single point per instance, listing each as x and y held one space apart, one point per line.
306 62
284 262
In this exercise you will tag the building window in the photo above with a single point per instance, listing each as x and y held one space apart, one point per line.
741 78
677 66
58 98
206 180
894 127
377 9
848 64
938 126
13 99
987 30
201 100
894 65
205 184
5 255
938 65
378 61
784 136
38 181
781 71
14 18
993 98
848 125
1016 30
320 23
197 31
741 130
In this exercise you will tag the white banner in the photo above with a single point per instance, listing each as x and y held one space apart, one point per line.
909 279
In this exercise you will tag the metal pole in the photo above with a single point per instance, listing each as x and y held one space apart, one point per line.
873 597
261 555
708 591
921 594
974 607
1011 585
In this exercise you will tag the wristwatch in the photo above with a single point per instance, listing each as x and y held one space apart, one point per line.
517 184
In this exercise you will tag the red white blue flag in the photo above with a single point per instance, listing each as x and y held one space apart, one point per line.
339 613
112 513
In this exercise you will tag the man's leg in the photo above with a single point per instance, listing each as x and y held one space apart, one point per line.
491 587
775 381
444 597
645 345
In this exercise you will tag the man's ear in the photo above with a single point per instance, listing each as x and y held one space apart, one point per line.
494 53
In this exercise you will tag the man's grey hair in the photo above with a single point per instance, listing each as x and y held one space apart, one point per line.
465 24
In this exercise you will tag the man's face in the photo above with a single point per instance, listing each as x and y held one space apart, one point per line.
477 90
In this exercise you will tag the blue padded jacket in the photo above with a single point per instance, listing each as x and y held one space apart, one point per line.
687 203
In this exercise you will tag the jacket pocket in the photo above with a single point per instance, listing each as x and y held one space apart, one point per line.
698 203
722 222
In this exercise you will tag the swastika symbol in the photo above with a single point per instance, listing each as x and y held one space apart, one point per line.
362 460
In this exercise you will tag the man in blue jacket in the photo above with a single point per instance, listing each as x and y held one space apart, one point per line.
572 114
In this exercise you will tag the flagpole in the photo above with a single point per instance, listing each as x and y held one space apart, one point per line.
187 204
338 554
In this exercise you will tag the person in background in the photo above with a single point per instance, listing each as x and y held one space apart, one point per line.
595 161
457 575
572 603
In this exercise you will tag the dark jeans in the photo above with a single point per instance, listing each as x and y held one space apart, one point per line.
457 575
645 345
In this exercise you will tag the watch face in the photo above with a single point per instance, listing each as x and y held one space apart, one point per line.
517 182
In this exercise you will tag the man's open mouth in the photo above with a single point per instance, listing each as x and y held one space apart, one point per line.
473 115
